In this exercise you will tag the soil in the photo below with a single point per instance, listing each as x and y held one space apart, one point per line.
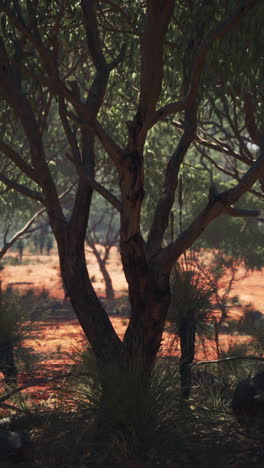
57 339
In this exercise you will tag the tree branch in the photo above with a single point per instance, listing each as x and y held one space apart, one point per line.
22 189
68 131
18 234
19 162
228 359
164 205
158 15
217 205
105 193
112 149
199 62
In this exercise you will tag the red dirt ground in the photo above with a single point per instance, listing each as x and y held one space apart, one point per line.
57 341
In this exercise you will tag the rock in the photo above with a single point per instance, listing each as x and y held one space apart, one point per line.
15 447
248 398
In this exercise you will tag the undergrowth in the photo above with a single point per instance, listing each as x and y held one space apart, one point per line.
115 418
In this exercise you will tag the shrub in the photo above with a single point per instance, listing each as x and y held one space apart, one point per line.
14 327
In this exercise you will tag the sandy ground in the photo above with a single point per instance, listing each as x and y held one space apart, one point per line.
55 342
42 272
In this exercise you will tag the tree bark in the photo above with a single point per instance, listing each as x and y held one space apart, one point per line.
149 294
90 312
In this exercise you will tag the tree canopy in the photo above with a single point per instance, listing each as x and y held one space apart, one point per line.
114 97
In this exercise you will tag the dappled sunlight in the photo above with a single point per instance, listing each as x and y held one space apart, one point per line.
57 340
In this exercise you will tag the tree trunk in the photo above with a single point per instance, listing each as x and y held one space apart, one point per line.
109 291
90 312
149 308
187 340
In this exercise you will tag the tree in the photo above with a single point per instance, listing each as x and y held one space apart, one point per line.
18 235
64 73
101 244
191 306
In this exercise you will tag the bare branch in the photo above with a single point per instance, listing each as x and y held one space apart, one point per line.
228 359
216 144
26 228
20 233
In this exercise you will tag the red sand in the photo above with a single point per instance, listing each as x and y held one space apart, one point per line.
55 343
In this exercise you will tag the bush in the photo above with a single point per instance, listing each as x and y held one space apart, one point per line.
14 328
14 316
123 416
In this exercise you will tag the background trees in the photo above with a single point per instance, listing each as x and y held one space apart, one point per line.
94 88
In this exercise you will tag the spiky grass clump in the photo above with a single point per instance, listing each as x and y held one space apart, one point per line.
14 316
191 295
258 338
16 326
237 368
123 416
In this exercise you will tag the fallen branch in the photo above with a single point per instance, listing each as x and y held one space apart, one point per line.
232 358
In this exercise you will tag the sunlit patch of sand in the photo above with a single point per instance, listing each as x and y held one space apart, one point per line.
55 342
43 273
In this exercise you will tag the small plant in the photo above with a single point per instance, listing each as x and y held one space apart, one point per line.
189 313
14 327
235 369
258 337
129 416
251 321
9 260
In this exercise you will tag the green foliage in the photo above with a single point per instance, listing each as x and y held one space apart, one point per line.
237 369
14 317
241 238
16 326
191 294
